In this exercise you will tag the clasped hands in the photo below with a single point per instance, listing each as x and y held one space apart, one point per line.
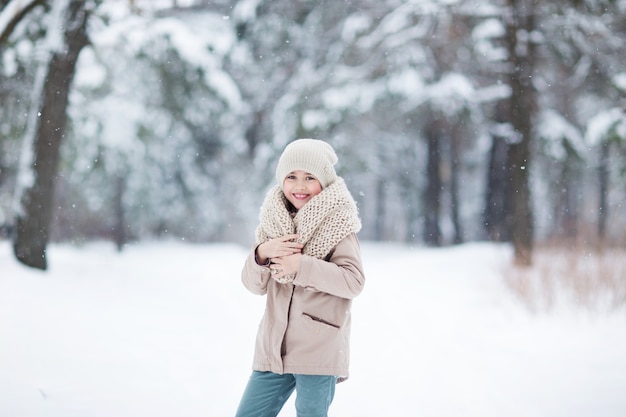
284 254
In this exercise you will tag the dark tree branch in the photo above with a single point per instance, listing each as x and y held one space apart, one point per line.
20 13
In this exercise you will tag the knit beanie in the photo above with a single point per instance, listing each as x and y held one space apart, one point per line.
310 155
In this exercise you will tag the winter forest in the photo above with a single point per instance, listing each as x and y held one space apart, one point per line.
454 121
484 142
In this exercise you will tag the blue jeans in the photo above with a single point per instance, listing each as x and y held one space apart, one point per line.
267 392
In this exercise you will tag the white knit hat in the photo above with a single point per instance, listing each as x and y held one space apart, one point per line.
310 155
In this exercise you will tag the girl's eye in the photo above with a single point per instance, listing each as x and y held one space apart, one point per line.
310 178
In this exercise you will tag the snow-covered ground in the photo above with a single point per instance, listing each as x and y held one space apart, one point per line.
167 329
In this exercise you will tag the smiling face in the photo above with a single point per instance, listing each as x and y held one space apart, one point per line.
299 187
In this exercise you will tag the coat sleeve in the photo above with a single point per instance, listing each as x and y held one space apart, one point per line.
254 276
341 276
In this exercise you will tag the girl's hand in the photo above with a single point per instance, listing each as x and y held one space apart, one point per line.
278 247
285 265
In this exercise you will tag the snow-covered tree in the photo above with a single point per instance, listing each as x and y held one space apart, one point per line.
161 108
65 37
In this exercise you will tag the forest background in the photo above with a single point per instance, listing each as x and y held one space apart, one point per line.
454 121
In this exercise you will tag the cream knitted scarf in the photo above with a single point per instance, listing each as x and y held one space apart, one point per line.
321 224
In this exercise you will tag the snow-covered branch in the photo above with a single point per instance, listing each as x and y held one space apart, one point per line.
13 13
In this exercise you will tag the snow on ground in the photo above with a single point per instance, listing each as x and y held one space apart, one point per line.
167 329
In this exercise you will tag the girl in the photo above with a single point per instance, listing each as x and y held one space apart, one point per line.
307 262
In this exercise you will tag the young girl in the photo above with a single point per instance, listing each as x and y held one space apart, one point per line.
307 261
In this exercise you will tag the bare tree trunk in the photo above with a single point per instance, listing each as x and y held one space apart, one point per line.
497 196
496 215
254 135
455 201
119 232
381 193
33 218
603 179
521 56
432 232
414 209
566 200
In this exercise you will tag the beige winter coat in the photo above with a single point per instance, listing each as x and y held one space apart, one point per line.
306 325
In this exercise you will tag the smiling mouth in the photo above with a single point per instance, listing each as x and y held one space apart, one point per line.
300 196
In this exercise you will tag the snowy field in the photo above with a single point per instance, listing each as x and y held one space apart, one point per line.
167 329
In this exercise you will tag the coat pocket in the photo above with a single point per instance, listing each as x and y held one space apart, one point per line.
320 320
